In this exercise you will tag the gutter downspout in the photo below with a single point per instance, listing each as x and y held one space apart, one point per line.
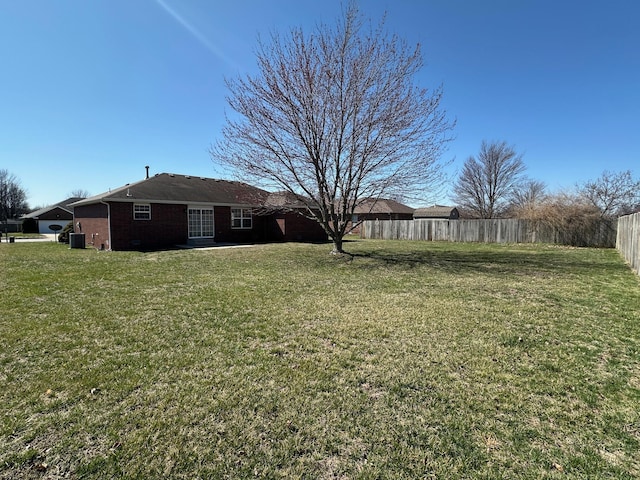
108 221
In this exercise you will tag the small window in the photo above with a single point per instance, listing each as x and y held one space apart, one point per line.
141 211
241 218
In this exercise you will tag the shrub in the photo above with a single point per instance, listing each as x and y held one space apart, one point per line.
29 225
63 236
574 221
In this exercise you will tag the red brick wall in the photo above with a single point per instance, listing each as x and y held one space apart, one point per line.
293 227
93 223
268 228
224 232
167 227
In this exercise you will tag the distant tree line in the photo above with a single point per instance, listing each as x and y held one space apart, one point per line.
13 198
493 185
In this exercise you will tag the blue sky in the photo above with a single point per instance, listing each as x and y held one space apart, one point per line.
91 92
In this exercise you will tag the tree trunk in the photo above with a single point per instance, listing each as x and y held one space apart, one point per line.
337 246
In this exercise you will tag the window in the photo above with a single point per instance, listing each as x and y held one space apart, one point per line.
200 222
141 211
241 218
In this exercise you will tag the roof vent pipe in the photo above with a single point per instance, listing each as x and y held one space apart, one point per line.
147 169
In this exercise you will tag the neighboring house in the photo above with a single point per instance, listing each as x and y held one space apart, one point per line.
170 209
382 209
437 212
59 214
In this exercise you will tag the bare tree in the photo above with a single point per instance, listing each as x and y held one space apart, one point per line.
13 198
526 198
612 193
79 193
334 118
485 183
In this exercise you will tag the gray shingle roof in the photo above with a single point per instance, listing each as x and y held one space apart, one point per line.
65 205
174 188
382 206
285 200
436 211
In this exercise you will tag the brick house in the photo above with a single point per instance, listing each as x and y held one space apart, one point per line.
382 209
169 209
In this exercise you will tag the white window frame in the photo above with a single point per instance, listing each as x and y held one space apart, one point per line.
142 211
243 217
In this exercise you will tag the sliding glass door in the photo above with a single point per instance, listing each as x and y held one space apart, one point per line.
201 222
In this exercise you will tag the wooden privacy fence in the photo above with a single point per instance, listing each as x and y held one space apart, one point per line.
505 230
628 239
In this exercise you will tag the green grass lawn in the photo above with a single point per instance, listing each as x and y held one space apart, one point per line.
407 360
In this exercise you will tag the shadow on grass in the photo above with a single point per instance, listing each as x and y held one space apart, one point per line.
494 259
